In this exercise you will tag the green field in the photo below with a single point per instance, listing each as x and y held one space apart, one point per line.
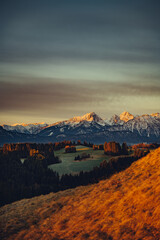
68 164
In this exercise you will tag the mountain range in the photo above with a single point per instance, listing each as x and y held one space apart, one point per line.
31 128
89 127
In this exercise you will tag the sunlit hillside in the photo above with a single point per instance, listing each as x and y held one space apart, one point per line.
127 206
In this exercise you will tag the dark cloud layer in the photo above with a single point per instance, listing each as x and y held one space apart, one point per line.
52 95
114 41
116 31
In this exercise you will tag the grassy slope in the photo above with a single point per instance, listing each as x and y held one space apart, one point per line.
68 164
127 206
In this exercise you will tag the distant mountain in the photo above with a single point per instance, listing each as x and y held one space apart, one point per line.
16 137
146 125
114 120
10 137
90 117
76 128
31 128
92 128
155 115
121 119
126 116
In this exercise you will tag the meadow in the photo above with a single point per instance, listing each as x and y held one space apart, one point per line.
69 166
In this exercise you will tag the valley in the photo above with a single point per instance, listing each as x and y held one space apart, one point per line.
69 166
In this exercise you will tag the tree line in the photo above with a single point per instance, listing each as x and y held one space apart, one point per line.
33 177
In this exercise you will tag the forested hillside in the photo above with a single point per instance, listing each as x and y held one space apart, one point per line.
126 206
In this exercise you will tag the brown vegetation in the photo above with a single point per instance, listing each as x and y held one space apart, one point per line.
70 149
28 149
112 148
127 206
98 147
145 145
32 151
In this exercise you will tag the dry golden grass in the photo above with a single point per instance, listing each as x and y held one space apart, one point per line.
127 206
82 149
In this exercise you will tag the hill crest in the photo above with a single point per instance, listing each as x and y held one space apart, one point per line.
126 206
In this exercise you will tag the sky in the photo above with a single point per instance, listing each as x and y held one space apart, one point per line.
60 59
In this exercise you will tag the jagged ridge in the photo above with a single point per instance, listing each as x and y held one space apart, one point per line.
31 128
91 127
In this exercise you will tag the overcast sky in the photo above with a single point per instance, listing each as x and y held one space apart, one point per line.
64 58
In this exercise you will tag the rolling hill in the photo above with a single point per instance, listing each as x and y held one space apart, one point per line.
126 206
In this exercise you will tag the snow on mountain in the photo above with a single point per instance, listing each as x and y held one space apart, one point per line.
86 124
87 117
119 120
124 127
114 120
84 120
31 128
126 116
155 115
146 125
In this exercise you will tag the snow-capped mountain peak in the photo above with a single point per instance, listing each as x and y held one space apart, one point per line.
126 116
155 115
92 116
142 127
86 120
120 120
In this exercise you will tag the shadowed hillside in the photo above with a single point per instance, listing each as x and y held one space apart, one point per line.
127 206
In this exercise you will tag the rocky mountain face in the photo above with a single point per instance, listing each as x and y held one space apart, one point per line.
121 128
146 125
92 128
16 137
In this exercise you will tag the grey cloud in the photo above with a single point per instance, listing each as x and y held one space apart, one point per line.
125 54
48 32
81 31
58 94
41 95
